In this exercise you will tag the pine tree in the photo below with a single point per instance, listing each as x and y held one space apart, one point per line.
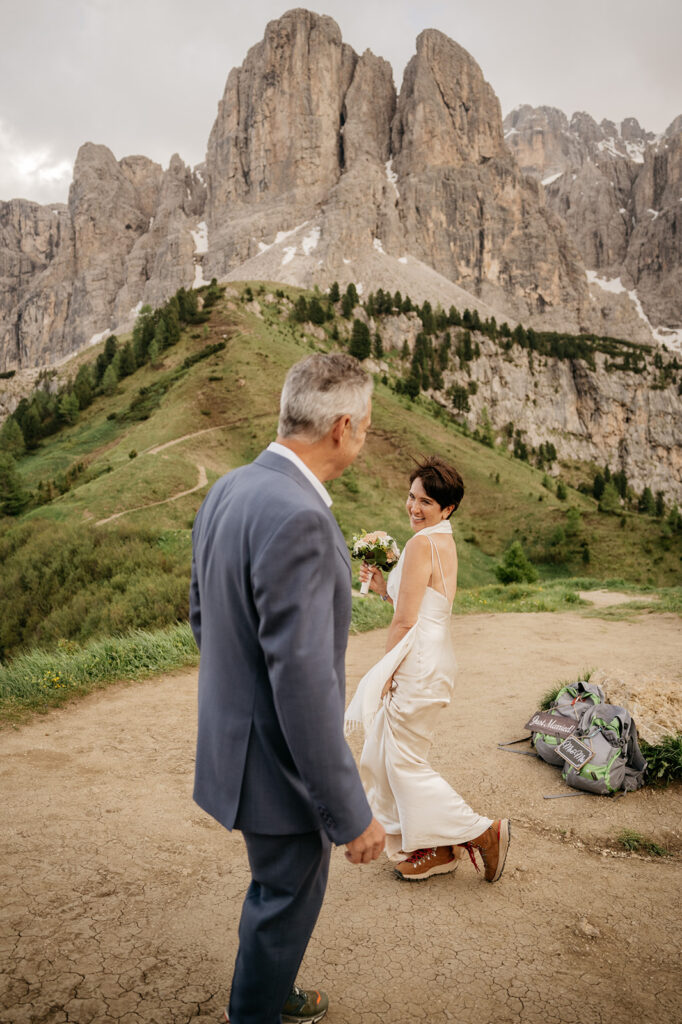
444 352
161 333
153 353
360 344
316 313
110 347
173 321
13 497
459 397
83 386
520 337
68 408
334 294
610 499
646 503
143 333
301 310
110 379
11 438
411 386
427 319
31 428
127 364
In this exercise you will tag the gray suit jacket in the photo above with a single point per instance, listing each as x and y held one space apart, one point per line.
270 609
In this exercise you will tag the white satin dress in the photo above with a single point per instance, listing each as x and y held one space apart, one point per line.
416 806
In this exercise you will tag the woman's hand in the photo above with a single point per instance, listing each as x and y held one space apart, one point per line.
387 688
374 574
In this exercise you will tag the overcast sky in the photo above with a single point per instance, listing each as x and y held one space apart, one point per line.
145 76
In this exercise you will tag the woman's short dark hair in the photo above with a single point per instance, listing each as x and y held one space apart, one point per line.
440 480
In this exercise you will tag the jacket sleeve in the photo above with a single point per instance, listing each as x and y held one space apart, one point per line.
194 604
293 581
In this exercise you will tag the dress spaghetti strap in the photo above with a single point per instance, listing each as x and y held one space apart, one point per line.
434 547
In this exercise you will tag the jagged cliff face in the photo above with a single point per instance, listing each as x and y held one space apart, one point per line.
466 209
68 273
275 151
609 418
318 170
617 189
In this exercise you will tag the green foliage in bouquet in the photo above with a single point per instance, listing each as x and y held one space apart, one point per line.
377 548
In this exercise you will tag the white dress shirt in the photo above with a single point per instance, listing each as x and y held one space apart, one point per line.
280 449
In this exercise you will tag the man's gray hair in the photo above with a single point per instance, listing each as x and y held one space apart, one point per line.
320 389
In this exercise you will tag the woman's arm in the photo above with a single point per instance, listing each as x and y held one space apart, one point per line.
413 583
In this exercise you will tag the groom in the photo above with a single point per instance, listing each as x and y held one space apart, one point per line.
270 605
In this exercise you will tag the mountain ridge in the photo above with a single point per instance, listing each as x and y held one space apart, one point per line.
310 132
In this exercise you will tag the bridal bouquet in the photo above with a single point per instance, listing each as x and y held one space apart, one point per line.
376 548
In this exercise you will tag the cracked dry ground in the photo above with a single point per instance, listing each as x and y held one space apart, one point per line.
121 899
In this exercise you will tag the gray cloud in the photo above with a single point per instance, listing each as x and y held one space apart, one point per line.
145 76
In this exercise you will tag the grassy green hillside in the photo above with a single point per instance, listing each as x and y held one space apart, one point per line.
113 549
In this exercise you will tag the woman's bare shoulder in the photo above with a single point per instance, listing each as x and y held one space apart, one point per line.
417 546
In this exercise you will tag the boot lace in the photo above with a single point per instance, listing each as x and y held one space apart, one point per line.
469 847
418 855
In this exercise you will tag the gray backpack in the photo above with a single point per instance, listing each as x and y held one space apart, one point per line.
617 762
571 702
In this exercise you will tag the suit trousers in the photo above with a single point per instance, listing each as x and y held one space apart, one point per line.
288 882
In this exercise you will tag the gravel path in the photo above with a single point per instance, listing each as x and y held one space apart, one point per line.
120 898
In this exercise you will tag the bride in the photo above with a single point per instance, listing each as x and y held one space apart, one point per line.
398 701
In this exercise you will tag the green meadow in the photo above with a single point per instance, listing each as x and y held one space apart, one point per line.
102 548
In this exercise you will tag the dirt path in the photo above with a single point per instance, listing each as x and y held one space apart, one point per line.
120 898
202 481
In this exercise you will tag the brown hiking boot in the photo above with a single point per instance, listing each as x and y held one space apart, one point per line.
437 860
492 845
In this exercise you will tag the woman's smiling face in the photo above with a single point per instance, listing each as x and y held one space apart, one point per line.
422 510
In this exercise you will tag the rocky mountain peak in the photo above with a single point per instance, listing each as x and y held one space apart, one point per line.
277 130
674 128
617 190
446 108
316 170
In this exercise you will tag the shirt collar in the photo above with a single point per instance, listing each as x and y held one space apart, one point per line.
287 453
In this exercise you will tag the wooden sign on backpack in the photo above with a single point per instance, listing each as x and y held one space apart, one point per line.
575 752
551 725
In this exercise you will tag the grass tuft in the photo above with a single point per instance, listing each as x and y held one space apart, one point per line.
41 679
664 760
637 843
551 695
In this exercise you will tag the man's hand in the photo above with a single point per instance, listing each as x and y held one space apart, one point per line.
368 845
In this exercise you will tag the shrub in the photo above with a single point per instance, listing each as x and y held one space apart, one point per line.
76 582
515 567
664 760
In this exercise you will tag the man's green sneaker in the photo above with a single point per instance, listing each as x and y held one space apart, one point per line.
304 1006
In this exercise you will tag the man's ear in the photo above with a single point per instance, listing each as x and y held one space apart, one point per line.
340 427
